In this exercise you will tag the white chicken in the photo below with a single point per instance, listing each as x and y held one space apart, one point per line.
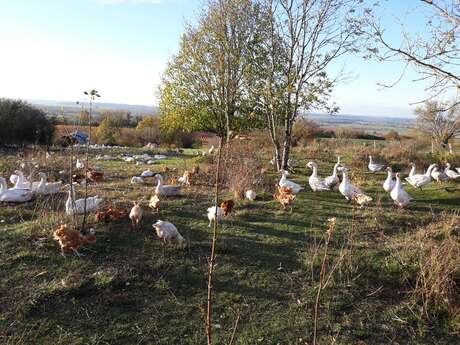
251 195
212 214
79 164
168 232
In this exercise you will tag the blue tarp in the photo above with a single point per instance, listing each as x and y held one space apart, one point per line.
79 136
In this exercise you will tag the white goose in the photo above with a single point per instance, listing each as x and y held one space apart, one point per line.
21 181
147 173
450 172
212 214
78 206
316 183
439 176
14 179
333 181
374 167
389 183
165 189
420 180
284 182
46 188
137 180
13 195
348 190
399 195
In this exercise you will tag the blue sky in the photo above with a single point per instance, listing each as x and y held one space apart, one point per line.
55 49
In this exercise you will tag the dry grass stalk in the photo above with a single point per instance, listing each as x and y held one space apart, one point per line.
212 259
330 231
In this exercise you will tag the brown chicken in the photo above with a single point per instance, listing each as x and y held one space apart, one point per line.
227 206
78 178
94 176
195 170
111 214
136 215
167 169
284 196
72 240
172 180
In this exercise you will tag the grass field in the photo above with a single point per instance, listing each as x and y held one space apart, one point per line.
130 289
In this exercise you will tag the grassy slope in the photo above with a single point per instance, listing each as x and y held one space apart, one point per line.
130 290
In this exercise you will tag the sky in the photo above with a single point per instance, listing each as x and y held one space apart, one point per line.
56 49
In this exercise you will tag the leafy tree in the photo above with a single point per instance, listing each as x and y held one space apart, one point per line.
205 85
439 121
148 130
302 38
108 132
23 123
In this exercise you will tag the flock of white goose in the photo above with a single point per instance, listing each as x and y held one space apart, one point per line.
392 183
24 190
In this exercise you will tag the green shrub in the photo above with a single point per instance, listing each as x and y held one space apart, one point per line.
23 123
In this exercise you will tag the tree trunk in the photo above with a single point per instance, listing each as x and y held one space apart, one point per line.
287 144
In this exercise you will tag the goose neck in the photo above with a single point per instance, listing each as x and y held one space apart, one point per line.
429 170
315 171
334 171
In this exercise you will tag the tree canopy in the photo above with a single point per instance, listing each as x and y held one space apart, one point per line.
205 86
23 123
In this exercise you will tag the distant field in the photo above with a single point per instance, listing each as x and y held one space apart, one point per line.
378 124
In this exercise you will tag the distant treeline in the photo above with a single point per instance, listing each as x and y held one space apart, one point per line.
119 118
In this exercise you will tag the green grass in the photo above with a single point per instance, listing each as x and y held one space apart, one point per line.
129 289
